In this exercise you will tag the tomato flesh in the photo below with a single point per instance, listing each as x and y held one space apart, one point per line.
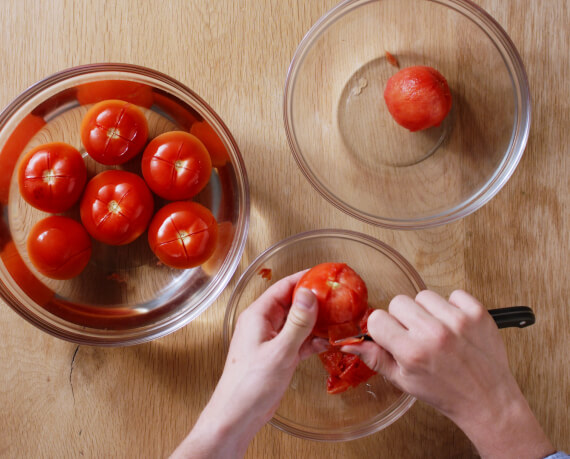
341 293
183 234
114 131
116 207
59 247
52 176
418 97
176 165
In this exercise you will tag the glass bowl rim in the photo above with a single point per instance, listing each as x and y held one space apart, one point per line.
405 401
106 338
511 158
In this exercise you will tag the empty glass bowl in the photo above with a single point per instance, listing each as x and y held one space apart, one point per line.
307 410
124 295
352 151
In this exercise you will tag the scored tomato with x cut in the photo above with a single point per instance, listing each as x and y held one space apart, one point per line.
183 234
116 207
114 131
342 298
176 165
51 177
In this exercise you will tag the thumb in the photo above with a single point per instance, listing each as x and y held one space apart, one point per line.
300 320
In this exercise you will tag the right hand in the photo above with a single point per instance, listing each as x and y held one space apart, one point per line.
450 355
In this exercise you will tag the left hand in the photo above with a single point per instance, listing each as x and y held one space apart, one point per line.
270 339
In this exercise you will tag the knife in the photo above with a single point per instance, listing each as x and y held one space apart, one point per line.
514 316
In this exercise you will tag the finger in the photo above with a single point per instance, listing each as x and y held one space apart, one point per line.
386 330
467 303
409 313
299 323
313 345
374 356
440 308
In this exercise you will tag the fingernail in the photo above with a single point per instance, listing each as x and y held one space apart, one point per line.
304 298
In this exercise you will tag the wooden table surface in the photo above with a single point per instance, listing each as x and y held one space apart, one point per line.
61 400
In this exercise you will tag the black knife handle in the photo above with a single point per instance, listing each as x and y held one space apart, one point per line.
514 316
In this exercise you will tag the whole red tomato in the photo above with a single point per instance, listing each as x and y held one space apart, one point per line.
114 131
176 165
51 177
59 247
342 296
418 97
183 234
116 207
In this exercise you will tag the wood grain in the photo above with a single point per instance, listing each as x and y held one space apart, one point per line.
63 400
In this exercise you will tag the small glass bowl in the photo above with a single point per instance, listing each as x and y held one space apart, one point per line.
124 295
306 410
352 151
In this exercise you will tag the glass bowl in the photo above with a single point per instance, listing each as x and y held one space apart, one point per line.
352 151
124 295
306 410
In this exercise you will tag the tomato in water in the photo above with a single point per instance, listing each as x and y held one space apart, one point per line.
59 247
114 131
418 97
183 234
116 207
176 165
341 294
51 177
212 142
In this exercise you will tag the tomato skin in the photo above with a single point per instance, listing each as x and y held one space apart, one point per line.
345 370
51 177
418 97
183 234
59 247
341 294
116 207
114 131
176 165
212 142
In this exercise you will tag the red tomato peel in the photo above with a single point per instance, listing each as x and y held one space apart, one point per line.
345 370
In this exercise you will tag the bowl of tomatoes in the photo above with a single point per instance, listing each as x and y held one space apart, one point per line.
333 396
407 114
125 205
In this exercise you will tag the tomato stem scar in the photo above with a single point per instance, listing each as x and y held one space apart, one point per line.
333 284
49 176
113 133
114 207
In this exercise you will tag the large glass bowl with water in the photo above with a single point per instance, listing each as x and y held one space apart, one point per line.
124 295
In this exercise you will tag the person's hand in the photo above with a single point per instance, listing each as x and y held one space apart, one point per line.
270 339
450 354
